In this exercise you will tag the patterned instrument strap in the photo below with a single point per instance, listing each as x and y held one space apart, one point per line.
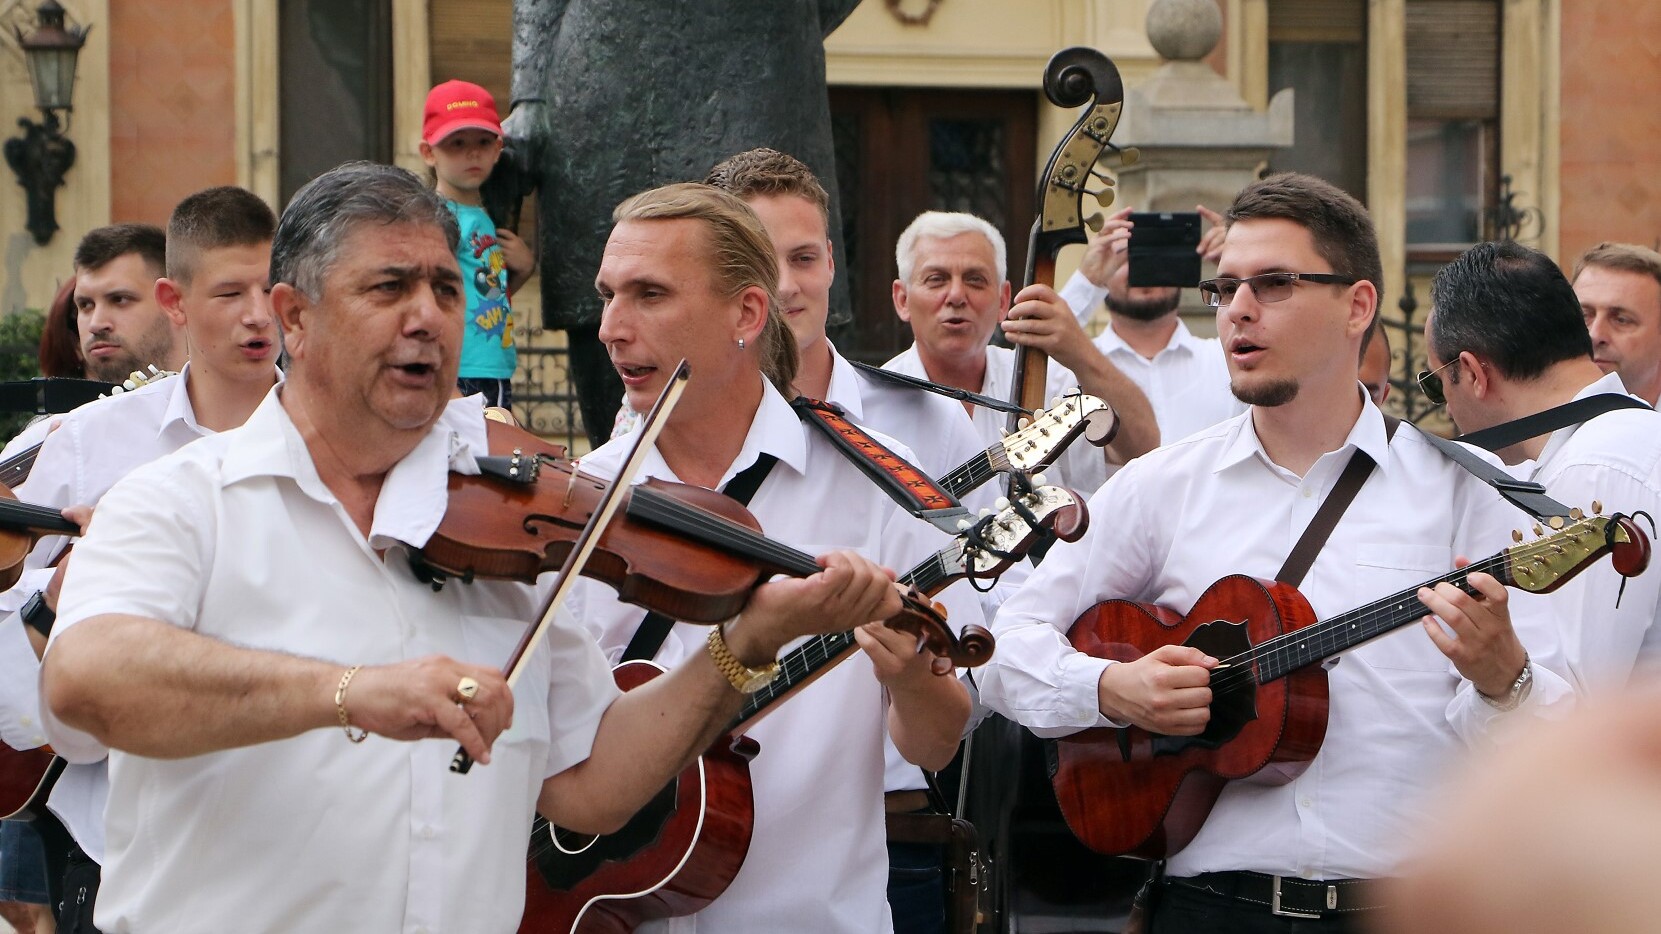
894 475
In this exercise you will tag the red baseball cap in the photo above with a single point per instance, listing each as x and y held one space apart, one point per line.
458 105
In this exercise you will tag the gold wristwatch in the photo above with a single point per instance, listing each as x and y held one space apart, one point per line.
746 680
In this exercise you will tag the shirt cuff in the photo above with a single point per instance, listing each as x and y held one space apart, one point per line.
1082 296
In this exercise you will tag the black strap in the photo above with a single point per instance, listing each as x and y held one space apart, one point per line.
1501 436
655 627
46 395
1332 509
1526 495
950 392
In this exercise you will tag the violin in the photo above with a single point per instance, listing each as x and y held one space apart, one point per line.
21 525
683 551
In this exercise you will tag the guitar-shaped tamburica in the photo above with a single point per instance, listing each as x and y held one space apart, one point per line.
1146 794
685 846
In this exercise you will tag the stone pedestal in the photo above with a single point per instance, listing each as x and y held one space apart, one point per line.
1200 141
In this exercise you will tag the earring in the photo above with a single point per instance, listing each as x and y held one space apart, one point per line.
741 343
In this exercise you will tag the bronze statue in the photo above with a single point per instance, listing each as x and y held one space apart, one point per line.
611 97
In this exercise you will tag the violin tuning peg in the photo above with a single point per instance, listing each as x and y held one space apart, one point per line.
1001 503
1597 508
1094 222
1576 514
1516 535
1130 155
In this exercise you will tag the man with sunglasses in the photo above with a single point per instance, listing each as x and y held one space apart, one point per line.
1296 302
1505 339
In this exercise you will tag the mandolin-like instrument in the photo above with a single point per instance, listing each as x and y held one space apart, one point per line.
1132 792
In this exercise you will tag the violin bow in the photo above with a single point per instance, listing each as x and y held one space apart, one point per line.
1073 77
584 546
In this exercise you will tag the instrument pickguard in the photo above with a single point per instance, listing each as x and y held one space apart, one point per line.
1231 707
570 858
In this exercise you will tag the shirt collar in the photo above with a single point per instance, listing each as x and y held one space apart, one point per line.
414 494
1367 434
1609 382
1181 339
775 429
179 411
844 386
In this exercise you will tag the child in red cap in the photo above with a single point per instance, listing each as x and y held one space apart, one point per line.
461 139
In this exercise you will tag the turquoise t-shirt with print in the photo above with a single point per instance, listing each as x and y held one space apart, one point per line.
487 350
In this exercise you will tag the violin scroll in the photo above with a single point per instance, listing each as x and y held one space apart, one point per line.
925 619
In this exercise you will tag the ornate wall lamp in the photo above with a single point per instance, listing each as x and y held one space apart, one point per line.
42 155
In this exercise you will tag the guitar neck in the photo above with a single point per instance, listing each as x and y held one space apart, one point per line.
970 474
1311 645
15 469
821 653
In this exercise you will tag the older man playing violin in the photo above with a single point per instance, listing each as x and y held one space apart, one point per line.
243 629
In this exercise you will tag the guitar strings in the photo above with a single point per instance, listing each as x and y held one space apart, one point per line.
1327 634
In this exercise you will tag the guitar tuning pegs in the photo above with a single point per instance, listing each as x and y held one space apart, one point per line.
1538 531
1516 535
1003 432
1556 522
964 525
1039 479
1094 222
1001 503
1024 422
1056 402
985 512
1576 514
1597 508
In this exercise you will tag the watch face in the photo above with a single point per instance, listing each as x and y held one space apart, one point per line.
760 679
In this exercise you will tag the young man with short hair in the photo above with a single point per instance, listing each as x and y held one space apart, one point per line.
1296 297
121 324
215 293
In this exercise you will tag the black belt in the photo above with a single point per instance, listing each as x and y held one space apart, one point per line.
1287 896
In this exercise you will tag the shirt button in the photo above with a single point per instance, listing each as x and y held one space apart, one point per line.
1306 802
426 834
421 930
1308 493
27 721
38 740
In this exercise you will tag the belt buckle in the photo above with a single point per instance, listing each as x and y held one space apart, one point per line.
1274 902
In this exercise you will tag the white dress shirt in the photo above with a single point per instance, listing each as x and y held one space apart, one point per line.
1082 467
1615 459
94 446
1186 382
818 859
1213 505
237 538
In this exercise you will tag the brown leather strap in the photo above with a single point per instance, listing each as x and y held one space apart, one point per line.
1332 509
903 482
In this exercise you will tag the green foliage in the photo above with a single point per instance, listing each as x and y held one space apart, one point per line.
19 359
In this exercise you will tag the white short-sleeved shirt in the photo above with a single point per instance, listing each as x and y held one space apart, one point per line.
1214 504
93 447
1614 459
818 859
238 539
1082 467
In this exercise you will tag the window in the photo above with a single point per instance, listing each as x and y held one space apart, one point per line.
1319 49
1452 118
336 86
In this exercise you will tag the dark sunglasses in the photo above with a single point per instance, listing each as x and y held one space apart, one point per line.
1431 384
1268 287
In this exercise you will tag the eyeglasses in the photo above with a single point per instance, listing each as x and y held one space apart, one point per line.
1268 287
1431 384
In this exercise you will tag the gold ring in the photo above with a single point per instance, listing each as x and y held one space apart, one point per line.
467 688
